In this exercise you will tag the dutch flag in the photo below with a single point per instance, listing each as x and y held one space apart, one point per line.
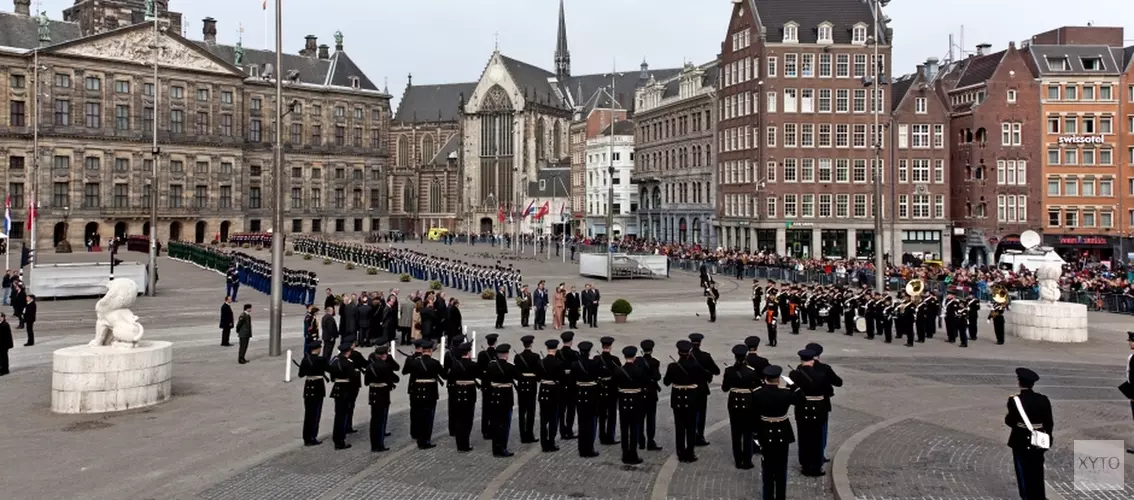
8 215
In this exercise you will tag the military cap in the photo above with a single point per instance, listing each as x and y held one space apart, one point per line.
467 346
457 340
344 347
752 341
1130 336
606 341
740 350
503 348
427 344
527 340
585 346
491 338
815 347
551 344
772 371
696 338
418 343
567 336
806 355
311 346
647 345
1026 376
463 349
684 346
382 349
629 351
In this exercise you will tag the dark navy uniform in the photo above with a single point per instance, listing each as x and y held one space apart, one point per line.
551 382
739 382
773 427
996 315
425 373
706 361
527 386
811 412
381 376
608 395
631 379
341 370
685 377
584 374
483 359
462 374
650 405
499 379
567 409
1028 459
312 369
833 381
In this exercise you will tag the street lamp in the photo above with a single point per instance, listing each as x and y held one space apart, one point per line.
875 81
610 186
275 325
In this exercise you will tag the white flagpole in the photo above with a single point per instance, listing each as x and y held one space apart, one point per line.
442 347
266 46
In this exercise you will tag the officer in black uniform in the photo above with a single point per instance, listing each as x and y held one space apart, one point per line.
551 381
583 375
630 379
424 375
739 381
650 403
381 377
1028 459
706 361
461 375
811 413
973 305
833 380
360 364
313 369
685 377
567 409
527 388
452 356
754 360
500 378
608 395
773 428
757 299
341 370
483 360
996 316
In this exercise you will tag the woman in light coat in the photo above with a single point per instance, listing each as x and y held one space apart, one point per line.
558 305
418 303
405 319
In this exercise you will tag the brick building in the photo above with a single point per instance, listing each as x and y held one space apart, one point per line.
798 105
1126 140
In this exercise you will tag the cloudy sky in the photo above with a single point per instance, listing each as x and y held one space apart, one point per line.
441 41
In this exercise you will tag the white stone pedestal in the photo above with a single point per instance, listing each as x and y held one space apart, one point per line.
90 379
1046 321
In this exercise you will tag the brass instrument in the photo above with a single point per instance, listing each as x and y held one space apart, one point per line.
914 289
1000 294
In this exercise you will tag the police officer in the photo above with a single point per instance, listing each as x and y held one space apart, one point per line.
312 370
739 381
1028 407
528 363
650 405
424 375
811 413
685 377
630 379
341 370
381 377
583 375
773 428
706 361
462 374
499 378
551 377
608 395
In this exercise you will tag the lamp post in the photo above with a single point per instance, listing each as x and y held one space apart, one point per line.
151 277
275 325
610 187
876 133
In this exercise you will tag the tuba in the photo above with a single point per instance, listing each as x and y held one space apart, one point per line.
915 288
999 294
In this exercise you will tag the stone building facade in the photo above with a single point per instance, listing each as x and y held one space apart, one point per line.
215 113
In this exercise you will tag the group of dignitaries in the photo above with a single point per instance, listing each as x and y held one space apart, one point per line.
868 312
451 273
614 397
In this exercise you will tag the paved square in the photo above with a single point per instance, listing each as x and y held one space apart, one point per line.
922 422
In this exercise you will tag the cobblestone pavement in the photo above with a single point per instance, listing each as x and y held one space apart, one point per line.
922 422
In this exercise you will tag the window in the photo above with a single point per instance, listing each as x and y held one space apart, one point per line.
807 206
358 113
1053 217
1092 63
94 114
903 136
807 65
254 130
177 121
176 195
842 65
920 136
254 197
1106 125
771 70
62 163
1071 93
177 92
92 163
93 83
791 33
201 197
17 81
60 194
18 114
939 171
1070 157
1006 134
15 162
340 135
340 111
920 171
62 80
148 89
121 164
842 100
226 97
202 167
340 198
148 119
121 117
1071 187
226 125
176 166
859 65
1057 64
938 136
790 100
858 34
791 170
791 209
824 100
860 205
1021 172
1106 157
1088 92
859 171
824 62
1053 92
859 100
1106 219
202 123
1011 96
921 105
771 104
1071 218
257 103
1088 187
791 65
62 112
203 95
91 195
1106 93
16 191
790 137
1106 187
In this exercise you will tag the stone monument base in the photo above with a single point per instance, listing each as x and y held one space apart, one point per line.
1047 321
98 379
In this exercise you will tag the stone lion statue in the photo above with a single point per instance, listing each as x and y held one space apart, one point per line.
116 325
1048 276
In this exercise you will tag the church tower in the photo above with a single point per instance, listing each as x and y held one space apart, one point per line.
562 53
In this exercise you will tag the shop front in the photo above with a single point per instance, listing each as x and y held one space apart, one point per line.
800 243
864 243
765 240
922 244
1086 249
834 243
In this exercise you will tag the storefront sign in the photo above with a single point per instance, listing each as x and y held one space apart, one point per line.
1083 240
792 224
1081 139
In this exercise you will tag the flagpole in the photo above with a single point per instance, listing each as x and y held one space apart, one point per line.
266 46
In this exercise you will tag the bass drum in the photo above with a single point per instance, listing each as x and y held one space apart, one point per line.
860 324
824 312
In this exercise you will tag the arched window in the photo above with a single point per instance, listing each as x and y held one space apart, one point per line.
403 151
556 141
427 150
409 198
435 199
540 139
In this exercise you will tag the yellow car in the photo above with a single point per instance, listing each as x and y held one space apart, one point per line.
437 233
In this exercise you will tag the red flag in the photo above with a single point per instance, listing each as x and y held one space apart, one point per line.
500 215
265 5
543 210
31 214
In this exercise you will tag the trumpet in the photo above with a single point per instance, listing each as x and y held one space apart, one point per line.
1000 294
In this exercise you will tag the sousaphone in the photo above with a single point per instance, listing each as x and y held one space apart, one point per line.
999 294
915 288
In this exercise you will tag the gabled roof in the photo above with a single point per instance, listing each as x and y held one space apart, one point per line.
585 89
429 103
343 69
842 14
1074 55
22 32
980 68
175 37
623 127
448 149
534 82
1127 56
898 90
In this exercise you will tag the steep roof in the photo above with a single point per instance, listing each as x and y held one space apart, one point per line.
1074 56
536 83
624 127
1127 56
980 68
809 14
427 103
22 32
898 90
449 149
585 89
335 71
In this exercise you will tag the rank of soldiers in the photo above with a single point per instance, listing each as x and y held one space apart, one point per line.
613 397
298 285
452 273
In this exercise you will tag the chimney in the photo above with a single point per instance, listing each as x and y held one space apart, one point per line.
311 47
982 48
931 68
209 29
921 70
23 7
324 52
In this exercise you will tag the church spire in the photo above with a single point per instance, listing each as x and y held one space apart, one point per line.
562 53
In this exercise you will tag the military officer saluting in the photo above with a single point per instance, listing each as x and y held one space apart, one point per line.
312 369
685 376
551 379
772 404
381 376
739 381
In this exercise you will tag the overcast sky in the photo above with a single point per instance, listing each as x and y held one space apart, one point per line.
443 41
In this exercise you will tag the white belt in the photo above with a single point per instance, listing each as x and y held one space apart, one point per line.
687 387
532 375
774 419
629 391
548 382
815 398
314 377
743 391
426 381
464 382
342 381
379 384
586 384
500 386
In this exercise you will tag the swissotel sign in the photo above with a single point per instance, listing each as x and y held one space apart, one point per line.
1081 139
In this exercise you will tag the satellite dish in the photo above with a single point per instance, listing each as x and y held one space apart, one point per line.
1030 239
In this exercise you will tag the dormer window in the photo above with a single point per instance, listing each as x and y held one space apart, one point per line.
791 33
1058 64
254 70
354 82
858 33
826 33
1092 63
